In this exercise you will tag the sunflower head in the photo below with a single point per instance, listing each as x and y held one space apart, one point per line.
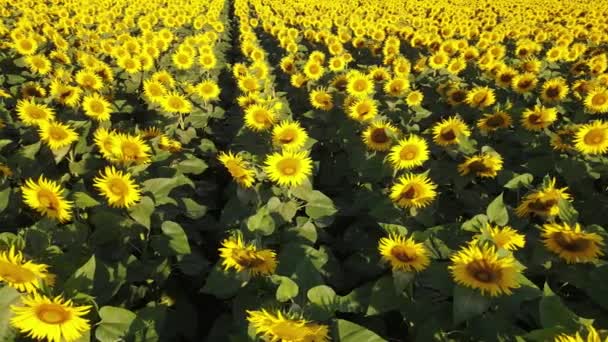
538 118
281 327
592 138
259 117
16 272
492 122
572 243
379 135
403 254
502 237
485 165
363 109
450 131
543 202
289 135
246 257
409 153
237 168
480 97
288 168
46 197
119 188
413 191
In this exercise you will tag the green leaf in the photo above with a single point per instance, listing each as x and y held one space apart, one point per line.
261 222
5 196
402 279
8 297
468 303
384 297
288 210
83 200
523 180
567 212
346 331
161 187
554 313
287 289
82 279
221 284
192 209
115 323
476 223
194 166
497 212
319 205
178 241
324 301
142 212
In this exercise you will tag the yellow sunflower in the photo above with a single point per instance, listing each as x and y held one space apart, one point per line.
409 153
259 117
359 85
89 80
483 269
538 118
414 98
238 169
412 190
55 320
289 135
596 100
96 107
404 254
32 113
363 109
449 131
592 336
572 244
208 90
502 237
118 187
39 64
554 90
245 257
524 83
320 98
56 135
174 102
378 136
280 327
129 149
484 165
592 138
65 94
492 122
480 97
26 46
46 197
288 168
543 202
154 91
396 86
105 141
25 276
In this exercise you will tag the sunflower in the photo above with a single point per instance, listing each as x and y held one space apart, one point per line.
56 135
129 149
337 63
249 84
504 77
438 60
26 46
46 197
167 144
32 113
298 80
543 202
288 168
505 237
39 64
449 131
572 243
409 153
524 83
238 169
182 60
483 269
592 336
596 100
89 80
592 138
456 66
480 97
320 98
484 165
289 135
208 90
207 60
396 86
359 85
378 136
538 118
404 254
241 256
280 327
173 102
129 64
259 118
313 70
105 141
363 109
491 122
165 78
55 320
412 190
117 187
154 91
414 98
554 90
65 94
25 276
96 107
456 96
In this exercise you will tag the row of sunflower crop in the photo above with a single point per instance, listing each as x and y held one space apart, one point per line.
463 148
106 114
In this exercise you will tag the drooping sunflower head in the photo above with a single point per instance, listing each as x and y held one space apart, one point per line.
363 109
543 202
281 327
52 319
238 168
592 138
592 336
259 117
119 188
246 257
538 118
492 122
289 135
450 131
16 272
56 135
484 165
481 268
480 97
46 197
502 237
409 153
403 253
378 136
288 168
572 243
413 191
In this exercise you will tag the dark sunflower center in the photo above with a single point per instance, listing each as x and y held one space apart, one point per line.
401 254
552 92
379 136
478 166
458 96
535 119
482 271
495 121
542 206
571 244
409 193
524 84
448 134
506 78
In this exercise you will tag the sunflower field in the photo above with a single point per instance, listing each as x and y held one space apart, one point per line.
303 171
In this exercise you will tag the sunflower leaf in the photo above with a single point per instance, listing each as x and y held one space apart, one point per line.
468 303
8 297
497 212
346 331
554 313
115 323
